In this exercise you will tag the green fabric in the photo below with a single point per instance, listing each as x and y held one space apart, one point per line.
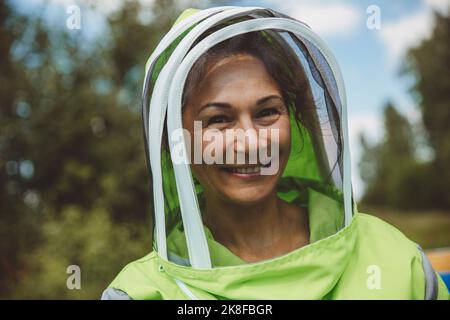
220 255
332 268
302 161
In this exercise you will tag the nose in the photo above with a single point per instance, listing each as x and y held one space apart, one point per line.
247 140
245 136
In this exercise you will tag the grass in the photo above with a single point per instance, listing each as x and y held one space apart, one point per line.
430 229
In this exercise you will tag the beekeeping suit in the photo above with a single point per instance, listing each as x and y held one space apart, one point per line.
350 255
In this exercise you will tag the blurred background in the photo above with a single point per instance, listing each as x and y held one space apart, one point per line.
73 177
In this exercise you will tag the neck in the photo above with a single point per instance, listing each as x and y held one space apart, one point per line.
257 231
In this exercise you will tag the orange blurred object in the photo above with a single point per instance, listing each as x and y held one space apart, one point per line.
440 259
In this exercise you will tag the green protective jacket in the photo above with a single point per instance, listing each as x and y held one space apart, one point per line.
365 258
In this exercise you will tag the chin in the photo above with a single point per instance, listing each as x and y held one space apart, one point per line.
248 197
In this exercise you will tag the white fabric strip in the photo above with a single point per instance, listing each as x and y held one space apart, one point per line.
186 290
177 30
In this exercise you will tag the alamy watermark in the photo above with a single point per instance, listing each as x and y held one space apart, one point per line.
74 280
249 147
373 21
374 279
73 21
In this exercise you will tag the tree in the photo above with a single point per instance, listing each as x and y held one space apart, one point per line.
393 173
385 166
73 177
430 64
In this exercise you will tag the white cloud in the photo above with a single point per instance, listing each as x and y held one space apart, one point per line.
325 18
405 33
367 123
400 35
439 5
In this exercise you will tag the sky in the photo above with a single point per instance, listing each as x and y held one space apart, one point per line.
370 58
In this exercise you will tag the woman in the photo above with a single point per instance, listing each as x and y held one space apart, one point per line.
245 126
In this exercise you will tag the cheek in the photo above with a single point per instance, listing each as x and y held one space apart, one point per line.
284 135
213 146
203 146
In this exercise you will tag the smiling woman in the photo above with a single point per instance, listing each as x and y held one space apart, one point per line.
225 230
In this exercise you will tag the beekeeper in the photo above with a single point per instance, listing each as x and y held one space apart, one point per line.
245 124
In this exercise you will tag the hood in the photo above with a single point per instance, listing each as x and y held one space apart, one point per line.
317 173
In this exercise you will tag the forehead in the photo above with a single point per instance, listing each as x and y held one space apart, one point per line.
235 79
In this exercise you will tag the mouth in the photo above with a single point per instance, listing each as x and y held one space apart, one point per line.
245 170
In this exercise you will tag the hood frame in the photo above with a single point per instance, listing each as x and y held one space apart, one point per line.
174 74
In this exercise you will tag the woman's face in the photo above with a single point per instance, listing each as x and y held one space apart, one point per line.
238 93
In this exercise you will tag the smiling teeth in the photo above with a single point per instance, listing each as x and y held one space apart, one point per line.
246 170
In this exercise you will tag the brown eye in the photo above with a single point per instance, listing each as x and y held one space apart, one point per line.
218 120
268 112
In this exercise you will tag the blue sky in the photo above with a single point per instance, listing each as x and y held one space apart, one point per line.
370 60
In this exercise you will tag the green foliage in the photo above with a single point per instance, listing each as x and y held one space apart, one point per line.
90 240
73 176
386 166
429 62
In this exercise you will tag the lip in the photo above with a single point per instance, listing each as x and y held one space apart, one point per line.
242 176
245 176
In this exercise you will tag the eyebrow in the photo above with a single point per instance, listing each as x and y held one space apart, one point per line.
228 106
